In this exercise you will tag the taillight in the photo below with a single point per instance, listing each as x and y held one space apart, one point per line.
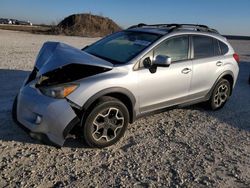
236 57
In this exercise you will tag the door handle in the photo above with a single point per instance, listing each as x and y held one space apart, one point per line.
186 70
219 63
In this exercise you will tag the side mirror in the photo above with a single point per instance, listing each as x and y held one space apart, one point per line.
147 63
162 61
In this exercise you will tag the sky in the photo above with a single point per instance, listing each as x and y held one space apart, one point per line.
227 16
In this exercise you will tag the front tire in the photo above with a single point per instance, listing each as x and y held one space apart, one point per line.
106 122
220 94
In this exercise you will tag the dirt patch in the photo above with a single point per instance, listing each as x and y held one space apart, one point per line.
86 25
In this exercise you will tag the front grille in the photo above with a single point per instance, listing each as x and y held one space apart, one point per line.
32 76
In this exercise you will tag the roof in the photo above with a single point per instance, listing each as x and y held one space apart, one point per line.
164 29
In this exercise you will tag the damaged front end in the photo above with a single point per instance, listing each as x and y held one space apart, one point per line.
59 63
42 106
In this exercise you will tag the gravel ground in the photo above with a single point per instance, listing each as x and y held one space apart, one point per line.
189 147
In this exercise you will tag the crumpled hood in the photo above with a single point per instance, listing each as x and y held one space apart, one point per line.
54 55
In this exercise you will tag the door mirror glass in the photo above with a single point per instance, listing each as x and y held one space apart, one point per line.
162 61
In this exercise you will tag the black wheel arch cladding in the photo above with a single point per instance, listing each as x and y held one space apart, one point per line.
228 75
122 94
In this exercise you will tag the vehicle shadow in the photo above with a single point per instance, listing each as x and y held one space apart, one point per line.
11 81
235 113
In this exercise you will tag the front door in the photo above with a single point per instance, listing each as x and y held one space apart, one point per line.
168 85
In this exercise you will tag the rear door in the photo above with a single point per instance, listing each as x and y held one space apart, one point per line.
207 65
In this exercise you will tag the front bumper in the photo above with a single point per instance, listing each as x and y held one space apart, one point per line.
43 116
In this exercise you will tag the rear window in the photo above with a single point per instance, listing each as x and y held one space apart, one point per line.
223 47
203 47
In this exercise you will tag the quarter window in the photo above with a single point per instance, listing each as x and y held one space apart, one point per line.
217 51
175 48
223 47
203 47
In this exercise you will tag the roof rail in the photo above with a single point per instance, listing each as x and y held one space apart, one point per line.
195 27
174 27
153 25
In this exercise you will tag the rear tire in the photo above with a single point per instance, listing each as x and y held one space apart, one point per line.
220 95
105 123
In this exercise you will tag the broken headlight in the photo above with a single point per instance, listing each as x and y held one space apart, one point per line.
58 92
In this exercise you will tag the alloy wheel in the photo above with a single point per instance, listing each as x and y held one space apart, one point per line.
107 124
221 95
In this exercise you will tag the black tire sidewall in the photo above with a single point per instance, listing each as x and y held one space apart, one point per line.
212 103
90 118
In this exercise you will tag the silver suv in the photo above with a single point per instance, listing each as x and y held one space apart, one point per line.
100 89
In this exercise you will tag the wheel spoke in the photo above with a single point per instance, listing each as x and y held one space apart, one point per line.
99 121
216 100
226 89
115 128
105 133
101 115
97 135
99 125
219 101
223 97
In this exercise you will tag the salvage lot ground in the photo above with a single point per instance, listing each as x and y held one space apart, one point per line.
189 147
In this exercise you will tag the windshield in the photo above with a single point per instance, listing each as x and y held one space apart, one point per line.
121 47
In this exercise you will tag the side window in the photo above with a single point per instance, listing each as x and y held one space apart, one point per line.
203 47
217 51
223 47
176 48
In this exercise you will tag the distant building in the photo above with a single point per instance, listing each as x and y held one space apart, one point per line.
14 22
4 21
